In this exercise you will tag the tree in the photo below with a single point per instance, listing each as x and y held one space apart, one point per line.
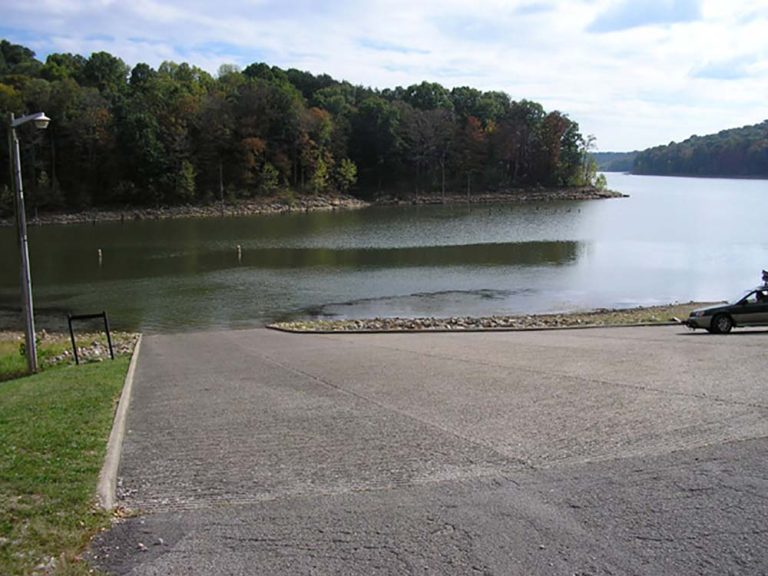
573 155
142 76
17 59
11 99
427 137
428 96
262 71
142 151
320 175
212 135
83 129
589 164
308 84
185 182
62 66
418 142
442 124
375 144
253 159
269 179
471 150
346 175
520 131
105 72
466 101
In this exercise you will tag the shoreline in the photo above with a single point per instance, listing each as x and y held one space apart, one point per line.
511 196
286 205
261 206
638 316
92 346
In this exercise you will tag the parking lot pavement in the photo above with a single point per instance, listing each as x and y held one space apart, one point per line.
601 451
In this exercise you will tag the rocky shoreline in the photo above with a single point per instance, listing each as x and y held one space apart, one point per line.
272 205
512 196
640 316
300 203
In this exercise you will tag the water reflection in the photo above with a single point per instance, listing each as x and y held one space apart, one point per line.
49 271
460 302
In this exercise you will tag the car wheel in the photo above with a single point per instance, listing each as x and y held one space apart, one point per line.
722 324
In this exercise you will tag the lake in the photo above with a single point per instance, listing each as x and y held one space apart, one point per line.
673 240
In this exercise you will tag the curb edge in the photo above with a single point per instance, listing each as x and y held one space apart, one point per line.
107 485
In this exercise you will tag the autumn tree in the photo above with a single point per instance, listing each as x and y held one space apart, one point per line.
471 150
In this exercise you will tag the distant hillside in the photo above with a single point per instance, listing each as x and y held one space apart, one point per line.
614 161
740 152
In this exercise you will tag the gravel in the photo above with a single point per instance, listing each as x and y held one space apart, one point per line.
665 314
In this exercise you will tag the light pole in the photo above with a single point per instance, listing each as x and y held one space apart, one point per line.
40 121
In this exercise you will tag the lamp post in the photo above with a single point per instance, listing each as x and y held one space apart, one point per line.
40 121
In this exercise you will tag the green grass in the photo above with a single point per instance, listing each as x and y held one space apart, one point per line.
13 363
53 433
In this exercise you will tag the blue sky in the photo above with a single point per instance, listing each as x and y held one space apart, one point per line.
635 73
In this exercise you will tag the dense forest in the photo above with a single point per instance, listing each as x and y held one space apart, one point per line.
614 161
740 152
178 135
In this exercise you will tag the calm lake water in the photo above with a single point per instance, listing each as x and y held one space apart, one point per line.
674 239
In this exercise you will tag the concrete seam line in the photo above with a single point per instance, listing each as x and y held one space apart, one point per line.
107 486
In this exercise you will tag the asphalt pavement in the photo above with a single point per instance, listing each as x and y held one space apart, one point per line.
574 452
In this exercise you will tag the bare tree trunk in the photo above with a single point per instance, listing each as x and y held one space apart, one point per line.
469 175
442 179
221 186
54 182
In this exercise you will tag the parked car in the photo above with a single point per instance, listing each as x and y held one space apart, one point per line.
749 310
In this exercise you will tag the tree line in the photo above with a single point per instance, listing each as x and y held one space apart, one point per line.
141 136
614 161
739 152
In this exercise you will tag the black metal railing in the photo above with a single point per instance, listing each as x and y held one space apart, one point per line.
71 317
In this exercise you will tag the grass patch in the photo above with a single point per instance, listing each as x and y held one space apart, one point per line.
13 363
54 428
55 348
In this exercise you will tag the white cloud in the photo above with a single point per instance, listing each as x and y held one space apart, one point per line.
667 69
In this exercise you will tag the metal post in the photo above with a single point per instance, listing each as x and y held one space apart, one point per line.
109 336
72 337
25 279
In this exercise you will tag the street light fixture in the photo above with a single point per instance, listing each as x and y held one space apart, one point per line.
40 120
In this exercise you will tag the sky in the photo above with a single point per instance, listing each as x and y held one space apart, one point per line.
633 73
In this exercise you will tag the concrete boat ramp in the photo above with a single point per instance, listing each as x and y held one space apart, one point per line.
573 452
